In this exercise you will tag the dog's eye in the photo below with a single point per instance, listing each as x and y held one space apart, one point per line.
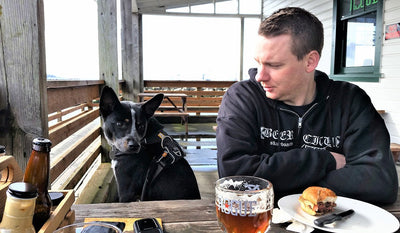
140 126
119 124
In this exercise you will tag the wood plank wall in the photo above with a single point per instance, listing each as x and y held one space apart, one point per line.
22 76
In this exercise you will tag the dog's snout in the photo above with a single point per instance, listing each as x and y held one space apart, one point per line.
133 145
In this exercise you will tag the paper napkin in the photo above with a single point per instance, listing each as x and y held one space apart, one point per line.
280 216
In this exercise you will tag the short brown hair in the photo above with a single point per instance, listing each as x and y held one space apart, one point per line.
305 29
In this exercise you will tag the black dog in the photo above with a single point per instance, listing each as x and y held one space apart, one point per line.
148 164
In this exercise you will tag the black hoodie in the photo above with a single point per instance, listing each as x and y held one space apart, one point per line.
262 137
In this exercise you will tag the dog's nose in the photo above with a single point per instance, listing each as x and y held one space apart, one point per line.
133 145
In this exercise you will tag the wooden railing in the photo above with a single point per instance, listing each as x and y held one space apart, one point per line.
70 103
202 96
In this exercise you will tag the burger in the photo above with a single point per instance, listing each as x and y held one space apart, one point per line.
317 200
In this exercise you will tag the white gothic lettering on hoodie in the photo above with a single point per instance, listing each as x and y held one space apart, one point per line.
285 135
310 141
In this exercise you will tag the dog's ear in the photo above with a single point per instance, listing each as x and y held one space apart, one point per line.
108 101
150 106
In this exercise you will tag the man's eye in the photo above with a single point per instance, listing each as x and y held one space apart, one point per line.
275 65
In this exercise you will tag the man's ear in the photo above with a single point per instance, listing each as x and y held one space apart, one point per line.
108 101
312 60
150 106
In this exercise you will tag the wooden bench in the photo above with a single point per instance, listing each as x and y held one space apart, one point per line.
395 148
202 96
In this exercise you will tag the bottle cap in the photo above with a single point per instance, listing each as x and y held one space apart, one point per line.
22 190
41 144
2 149
56 197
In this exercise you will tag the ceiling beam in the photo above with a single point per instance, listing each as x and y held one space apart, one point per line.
134 6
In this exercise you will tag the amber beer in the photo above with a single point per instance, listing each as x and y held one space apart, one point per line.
244 204
258 223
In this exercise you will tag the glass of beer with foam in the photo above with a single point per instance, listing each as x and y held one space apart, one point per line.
244 204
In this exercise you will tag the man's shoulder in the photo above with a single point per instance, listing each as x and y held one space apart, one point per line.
337 87
248 83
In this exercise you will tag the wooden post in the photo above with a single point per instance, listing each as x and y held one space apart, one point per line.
23 96
131 46
108 53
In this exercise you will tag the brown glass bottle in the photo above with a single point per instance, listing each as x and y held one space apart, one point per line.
37 173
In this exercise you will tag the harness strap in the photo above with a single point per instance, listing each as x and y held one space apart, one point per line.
171 154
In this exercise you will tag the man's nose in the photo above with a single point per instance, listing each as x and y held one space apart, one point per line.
262 75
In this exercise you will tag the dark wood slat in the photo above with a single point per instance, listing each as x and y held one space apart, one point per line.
62 98
66 84
201 210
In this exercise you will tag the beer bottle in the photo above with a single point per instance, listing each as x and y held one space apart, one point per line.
19 208
37 173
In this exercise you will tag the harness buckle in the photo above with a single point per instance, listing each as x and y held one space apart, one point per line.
171 150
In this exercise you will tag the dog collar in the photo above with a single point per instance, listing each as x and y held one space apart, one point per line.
153 138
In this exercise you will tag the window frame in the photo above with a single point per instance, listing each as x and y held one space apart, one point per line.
362 73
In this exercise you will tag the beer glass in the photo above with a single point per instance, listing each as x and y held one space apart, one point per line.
244 204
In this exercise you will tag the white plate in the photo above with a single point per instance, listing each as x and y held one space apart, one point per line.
367 217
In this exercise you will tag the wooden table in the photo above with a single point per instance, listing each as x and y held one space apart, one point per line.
177 216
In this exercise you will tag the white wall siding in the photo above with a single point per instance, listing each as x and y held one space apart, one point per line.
323 10
385 94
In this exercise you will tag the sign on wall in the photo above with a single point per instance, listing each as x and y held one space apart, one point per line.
392 31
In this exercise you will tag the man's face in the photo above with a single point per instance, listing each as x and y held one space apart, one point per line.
281 74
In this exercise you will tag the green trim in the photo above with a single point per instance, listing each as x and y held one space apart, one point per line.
356 77
359 74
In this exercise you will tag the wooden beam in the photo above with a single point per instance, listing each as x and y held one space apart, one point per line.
108 42
65 84
131 51
108 51
23 74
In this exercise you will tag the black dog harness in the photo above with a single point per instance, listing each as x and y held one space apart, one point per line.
171 154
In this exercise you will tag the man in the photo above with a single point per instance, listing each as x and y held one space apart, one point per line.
292 125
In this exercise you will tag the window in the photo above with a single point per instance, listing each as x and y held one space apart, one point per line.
358 39
201 40
190 48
